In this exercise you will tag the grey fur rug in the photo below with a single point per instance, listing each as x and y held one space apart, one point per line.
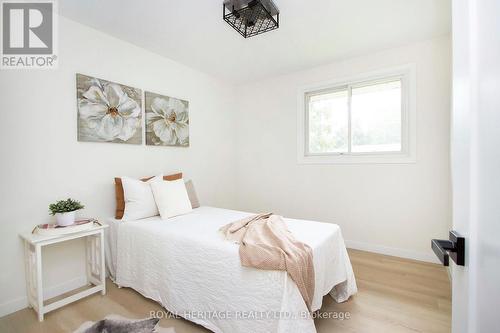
118 324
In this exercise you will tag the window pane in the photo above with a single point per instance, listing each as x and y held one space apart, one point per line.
328 122
376 117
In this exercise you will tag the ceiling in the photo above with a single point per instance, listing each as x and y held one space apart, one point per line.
311 33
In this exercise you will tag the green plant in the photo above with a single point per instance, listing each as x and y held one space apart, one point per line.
65 206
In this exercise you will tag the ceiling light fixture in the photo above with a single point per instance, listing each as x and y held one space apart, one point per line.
251 17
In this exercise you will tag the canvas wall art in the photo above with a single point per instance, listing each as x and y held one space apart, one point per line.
167 120
108 111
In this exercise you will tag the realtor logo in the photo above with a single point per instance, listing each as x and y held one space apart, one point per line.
28 34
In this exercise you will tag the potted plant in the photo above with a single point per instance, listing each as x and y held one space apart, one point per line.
64 210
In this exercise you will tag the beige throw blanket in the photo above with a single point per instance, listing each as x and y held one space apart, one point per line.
266 243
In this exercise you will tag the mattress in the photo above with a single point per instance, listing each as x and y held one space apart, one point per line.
185 264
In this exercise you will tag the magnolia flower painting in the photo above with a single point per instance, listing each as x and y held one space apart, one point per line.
108 111
167 121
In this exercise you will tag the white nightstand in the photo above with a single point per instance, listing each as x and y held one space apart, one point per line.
95 266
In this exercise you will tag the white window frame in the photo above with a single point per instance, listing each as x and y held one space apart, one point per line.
407 154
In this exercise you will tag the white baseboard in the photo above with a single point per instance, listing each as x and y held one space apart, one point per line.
22 302
392 251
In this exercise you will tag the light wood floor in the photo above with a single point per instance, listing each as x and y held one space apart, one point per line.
395 295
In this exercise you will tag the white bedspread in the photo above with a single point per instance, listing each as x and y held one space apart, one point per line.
184 264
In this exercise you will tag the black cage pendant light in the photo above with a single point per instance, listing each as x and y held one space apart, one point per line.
251 17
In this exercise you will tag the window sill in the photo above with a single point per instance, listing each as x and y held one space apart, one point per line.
358 159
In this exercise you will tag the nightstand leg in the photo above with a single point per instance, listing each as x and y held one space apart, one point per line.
39 287
28 267
88 256
103 267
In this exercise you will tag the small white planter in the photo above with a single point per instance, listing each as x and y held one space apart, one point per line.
65 219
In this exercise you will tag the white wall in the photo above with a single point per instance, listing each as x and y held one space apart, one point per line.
42 160
394 209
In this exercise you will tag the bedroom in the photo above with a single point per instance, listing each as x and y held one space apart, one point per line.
278 122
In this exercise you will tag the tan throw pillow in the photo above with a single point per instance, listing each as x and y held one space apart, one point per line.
192 194
120 197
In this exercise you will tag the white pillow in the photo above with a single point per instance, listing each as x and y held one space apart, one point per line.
171 198
139 199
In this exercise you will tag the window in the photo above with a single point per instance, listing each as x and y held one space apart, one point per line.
361 120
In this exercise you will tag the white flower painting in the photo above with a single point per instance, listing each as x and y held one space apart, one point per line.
108 111
167 121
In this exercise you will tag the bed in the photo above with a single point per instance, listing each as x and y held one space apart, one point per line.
185 264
